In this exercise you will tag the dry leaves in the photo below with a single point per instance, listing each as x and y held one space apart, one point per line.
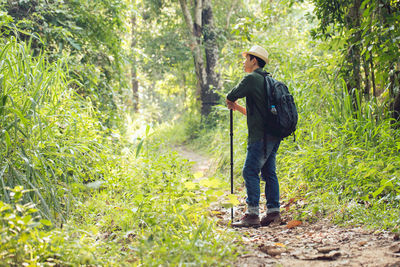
293 223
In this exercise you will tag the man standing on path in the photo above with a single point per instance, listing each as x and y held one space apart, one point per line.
262 146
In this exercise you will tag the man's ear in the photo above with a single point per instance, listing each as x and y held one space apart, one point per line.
254 61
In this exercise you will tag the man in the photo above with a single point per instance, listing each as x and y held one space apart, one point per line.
261 147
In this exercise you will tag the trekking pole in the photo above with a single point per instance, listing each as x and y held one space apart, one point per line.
231 134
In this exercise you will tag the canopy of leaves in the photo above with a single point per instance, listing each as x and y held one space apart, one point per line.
87 32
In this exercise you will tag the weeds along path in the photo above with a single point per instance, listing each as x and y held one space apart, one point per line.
294 243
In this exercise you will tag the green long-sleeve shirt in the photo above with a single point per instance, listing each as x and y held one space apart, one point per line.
252 87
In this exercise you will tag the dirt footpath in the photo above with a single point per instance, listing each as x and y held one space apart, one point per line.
294 243
317 244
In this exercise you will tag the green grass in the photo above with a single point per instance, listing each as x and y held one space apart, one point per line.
155 217
148 211
50 137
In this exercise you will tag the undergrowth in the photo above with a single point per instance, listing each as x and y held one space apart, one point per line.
51 138
344 162
75 192
347 172
149 212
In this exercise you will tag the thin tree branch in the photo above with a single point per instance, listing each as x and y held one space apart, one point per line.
187 15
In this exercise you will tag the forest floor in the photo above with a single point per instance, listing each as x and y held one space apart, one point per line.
294 243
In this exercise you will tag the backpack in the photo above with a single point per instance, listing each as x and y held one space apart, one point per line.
282 113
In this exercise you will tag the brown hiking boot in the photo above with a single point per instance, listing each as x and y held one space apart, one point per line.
273 217
248 220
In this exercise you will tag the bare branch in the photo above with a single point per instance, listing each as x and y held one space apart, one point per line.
187 16
197 17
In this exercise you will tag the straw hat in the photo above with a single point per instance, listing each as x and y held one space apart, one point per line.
257 51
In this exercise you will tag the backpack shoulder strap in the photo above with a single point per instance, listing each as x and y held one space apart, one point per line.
270 89
264 74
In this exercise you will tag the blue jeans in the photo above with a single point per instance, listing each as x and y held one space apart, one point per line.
261 159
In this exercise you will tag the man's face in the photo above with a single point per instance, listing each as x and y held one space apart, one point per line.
248 64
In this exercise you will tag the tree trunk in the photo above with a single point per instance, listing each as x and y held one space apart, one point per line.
395 105
367 87
396 110
209 97
194 39
354 51
371 63
203 26
134 80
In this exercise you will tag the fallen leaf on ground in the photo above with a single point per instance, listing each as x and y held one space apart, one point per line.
290 202
362 243
293 224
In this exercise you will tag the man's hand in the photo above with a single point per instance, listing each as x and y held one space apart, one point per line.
236 106
231 105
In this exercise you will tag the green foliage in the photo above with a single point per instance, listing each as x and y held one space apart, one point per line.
21 230
343 163
151 212
51 139
86 33
331 12
27 240
140 207
123 196
120 199
368 32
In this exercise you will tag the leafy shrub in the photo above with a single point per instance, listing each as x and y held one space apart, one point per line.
152 213
51 139
28 240
22 238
